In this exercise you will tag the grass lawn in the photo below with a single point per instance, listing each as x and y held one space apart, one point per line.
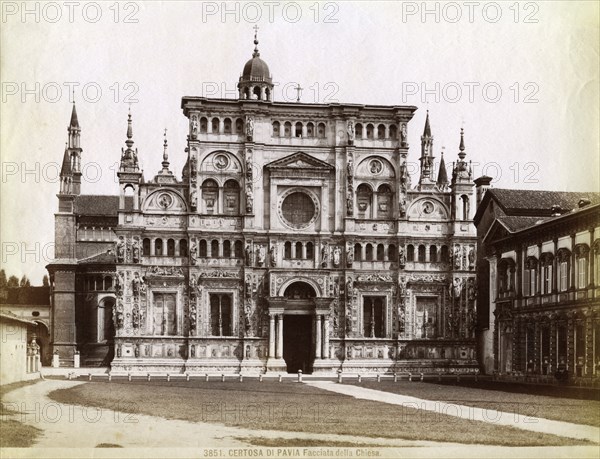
289 406
560 409
13 433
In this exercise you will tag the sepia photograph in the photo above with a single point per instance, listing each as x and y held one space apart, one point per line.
300 229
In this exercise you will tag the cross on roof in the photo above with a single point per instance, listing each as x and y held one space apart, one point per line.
298 90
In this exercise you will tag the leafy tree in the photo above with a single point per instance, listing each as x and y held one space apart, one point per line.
13 281
24 282
3 280
45 281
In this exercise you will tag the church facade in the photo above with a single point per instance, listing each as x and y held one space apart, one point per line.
294 240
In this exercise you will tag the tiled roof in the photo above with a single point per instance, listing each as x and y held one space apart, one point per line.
97 205
101 258
514 223
537 202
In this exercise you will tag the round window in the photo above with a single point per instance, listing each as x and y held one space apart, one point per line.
298 209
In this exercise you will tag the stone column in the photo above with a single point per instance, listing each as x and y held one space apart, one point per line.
279 349
152 247
318 329
363 251
304 250
325 354
293 250
271 335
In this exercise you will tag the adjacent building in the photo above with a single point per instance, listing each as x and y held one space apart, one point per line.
539 284
292 240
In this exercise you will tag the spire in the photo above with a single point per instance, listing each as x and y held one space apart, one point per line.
442 179
129 142
165 163
66 164
427 130
256 53
74 121
129 159
461 147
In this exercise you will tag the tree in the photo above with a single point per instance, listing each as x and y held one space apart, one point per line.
3 280
13 281
45 281
24 282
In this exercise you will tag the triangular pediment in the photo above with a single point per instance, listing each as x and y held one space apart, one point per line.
300 160
497 231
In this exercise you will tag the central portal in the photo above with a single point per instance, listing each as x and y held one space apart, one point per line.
297 343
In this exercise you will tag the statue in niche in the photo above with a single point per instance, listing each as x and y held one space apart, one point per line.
337 254
456 287
136 251
457 257
350 131
403 134
120 250
194 199
194 127
135 285
248 255
248 318
273 255
349 255
118 285
324 255
401 256
249 128
402 207
194 252
261 255
249 199
349 288
471 257
193 167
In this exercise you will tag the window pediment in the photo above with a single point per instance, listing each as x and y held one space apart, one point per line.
300 161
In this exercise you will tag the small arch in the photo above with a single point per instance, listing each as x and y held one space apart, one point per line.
158 247
380 252
370 131
384 201
170 248
358 130
239 126
231 195
433 254
445 257
256 92
287 250
357 252
321 130
214 248
310 130
203 125
298 249
183 248
276 128
369 252
299 291
215 125
268 94
393 132
381 131
202 250
298 130
210 196
410 252
421 253
392 253
364 200
146 247
287 129
227 249
310 250
227 126
238 249
465 206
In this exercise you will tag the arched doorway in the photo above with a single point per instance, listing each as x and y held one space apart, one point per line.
298 347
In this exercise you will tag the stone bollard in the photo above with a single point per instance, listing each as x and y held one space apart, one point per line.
76 360
129 377
410 377
168 377
395 377
148 376
260 377
109 377
55 361
223 378
280 378
378 377
241 378
339 374
359 378
89 377
421 376
206 377
187 376
299 375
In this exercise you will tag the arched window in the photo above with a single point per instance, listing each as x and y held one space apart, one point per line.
310 250
202 250
287 129
171 248
299 291
445 257
370 131
506 270
393 132
215 125
364 197
381 131
357 252
433 254
214 248
256 92
267 94
227 249
384 202
358 130
231 195
298 249
465 207
227 126
276 128
287 250
203 125
410 253
298 132
239 126
210 196
392 253
582 252
530 276
158 247
369 253
239 251
321 130
183 248
380 252
564 269
546 266
310 130
421 254
146 247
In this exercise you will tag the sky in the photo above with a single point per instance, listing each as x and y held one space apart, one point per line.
521 78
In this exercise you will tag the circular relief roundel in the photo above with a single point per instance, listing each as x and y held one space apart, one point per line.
427 207
375 166
165 200
298 209
221 162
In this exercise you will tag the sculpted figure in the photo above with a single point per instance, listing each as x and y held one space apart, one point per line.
337 253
